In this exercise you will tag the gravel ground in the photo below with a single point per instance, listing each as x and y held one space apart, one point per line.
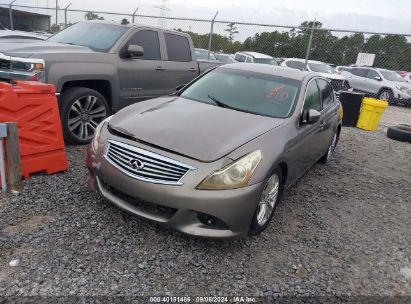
343 229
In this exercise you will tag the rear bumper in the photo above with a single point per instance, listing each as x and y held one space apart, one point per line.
180 207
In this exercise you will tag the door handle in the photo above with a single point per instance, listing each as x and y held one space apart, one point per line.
322 125
160 68
193 70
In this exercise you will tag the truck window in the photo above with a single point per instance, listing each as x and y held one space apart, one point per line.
150 43
178 48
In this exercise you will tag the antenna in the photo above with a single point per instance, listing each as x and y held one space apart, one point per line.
163 12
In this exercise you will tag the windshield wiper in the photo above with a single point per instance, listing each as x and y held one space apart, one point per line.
220 103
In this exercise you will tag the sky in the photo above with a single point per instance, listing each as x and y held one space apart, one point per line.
362 15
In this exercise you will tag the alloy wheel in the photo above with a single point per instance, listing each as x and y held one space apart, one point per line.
385 96
85 115
268 199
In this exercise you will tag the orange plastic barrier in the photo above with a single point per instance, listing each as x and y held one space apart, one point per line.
33 106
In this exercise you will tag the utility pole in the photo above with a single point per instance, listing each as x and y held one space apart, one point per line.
65 15
211 35
11 15
57 5
309 45
163 12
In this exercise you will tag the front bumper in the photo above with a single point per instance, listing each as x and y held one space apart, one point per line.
186 207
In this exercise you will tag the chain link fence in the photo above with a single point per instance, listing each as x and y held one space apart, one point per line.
334 46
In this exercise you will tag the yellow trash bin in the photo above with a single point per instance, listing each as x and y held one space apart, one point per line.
371 112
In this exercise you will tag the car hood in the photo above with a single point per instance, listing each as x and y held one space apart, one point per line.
401 84
197 130
30 48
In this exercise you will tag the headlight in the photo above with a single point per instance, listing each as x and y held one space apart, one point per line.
96 138
402 89
235 175
24 66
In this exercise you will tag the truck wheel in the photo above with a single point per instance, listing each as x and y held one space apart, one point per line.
81 110
386 95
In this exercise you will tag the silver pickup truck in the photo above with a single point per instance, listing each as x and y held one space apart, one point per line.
100 67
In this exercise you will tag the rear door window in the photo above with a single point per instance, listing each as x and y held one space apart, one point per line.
326 92
359 72
178 48
295 65
150 43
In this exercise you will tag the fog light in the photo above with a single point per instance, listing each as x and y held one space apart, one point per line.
211 221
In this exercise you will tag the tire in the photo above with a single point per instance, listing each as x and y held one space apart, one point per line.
400 133
330 151
386 95
81 110
263 214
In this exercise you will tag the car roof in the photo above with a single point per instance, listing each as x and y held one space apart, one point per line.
271 70
130 25
303 60
256 55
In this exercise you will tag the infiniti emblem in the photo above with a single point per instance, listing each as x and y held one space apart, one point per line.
136 164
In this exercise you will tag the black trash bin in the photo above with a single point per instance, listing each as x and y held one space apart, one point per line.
351 103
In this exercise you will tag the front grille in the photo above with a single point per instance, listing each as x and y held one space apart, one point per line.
152 208
4 64
144 165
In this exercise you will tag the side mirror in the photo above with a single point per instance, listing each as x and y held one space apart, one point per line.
132 51
378 78
179 87
312 116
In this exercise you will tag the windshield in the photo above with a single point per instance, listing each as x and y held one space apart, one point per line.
224 58
392 76
96 36
246 91
321 68
203 54
265 61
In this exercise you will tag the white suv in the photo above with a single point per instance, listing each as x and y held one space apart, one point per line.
254 57
383 84
338 82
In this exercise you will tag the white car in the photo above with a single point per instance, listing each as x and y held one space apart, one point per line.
338 82
254 57
383 84
22 35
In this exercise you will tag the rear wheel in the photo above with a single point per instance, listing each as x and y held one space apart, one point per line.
81 109
269 199
327 156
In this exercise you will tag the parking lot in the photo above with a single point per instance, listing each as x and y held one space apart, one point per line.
343 229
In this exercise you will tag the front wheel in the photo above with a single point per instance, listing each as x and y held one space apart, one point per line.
81 111
269 199
386 95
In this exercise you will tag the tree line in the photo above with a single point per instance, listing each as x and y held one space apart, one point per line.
392 51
